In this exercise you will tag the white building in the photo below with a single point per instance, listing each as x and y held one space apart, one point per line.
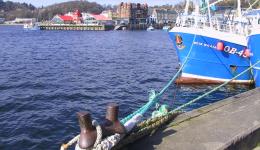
163 16
92 19
2 20
24 20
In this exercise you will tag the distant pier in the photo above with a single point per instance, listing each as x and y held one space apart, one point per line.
230 124
78 27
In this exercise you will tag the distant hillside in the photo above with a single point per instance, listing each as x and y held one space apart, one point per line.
244 3
47 13
11 10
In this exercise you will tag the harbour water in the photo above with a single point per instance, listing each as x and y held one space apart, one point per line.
48 76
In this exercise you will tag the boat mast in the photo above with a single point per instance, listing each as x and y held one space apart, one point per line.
239 15
239 9
197 13
186 11
210 23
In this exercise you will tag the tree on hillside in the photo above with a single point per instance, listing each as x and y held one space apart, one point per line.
84 6
11 10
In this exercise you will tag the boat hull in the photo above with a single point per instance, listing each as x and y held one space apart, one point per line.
253 45
205 63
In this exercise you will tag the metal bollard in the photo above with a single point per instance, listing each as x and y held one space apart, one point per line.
112 112
112 125
88 132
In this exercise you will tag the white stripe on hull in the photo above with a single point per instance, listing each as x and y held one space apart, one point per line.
255 31
213 79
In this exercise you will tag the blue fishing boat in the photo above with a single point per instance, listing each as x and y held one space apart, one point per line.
254 47
212 52
212 59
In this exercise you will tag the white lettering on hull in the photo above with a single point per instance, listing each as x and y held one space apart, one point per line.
227 49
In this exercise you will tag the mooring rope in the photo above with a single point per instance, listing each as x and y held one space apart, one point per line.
153 124
108 143
145 128
213 90
155 97
99 133
71 142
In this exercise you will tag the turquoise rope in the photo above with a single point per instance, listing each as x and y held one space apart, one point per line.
213 90
155 97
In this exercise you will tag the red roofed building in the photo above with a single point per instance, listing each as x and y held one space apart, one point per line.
101 17
93 19
70 18
62 19
65 18
77 17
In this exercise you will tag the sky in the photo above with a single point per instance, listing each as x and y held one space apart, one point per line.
39 3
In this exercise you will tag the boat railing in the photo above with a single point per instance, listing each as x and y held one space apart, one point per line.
234 27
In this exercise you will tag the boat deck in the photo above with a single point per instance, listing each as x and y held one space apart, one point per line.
233 123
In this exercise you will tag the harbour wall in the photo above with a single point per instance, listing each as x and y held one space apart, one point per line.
78 27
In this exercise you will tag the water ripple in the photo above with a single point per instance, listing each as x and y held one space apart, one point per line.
48 76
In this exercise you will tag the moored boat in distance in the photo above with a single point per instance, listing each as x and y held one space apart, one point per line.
150 28
31 26
166 28
212 52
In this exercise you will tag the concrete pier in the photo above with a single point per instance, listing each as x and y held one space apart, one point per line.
233 123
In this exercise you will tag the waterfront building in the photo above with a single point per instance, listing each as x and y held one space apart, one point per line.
103 20
77 17
24 20
88 19
163 16
69 18
93 19
2 20
108 14
62 19
82 18
133 13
